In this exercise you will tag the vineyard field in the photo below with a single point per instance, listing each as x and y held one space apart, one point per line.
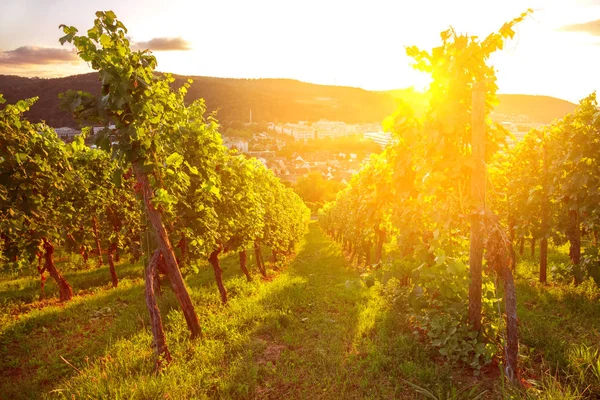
162 263
314 330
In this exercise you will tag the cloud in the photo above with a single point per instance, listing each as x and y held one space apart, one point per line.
164 44
591 27
31 55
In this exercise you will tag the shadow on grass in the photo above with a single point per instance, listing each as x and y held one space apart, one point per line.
27 289
328 338
554 318
231 272
82 330
304 334
31 347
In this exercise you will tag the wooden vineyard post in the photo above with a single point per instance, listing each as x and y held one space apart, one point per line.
214 261
259 259
380 233
243 262
158 334
511 349
113 272
575 246
499 257
478 198
522 246
162 238
97 240
65 290
545 216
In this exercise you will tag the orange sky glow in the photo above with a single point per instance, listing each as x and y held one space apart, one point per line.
555 52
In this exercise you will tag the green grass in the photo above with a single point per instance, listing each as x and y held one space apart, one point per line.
302 334
313 330
557 323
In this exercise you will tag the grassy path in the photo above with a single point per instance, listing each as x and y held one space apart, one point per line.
312 332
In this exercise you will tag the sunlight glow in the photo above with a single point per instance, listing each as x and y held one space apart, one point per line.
335 42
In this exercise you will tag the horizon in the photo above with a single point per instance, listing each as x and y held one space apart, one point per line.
315 43
500 93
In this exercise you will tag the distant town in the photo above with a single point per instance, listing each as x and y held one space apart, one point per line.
333 149
517 125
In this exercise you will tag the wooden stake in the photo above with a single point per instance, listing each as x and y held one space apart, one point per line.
158 333
478 199
545 216
164 244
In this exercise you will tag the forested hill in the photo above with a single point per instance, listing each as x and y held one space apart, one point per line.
283 100
544 109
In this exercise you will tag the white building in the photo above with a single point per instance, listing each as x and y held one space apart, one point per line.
381 138
322 129
300 131
333 129
66 134
96 129
239 144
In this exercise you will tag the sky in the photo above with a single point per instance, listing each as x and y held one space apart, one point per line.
555 52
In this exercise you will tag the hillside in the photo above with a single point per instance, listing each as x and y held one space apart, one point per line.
539 109
283 100
543 109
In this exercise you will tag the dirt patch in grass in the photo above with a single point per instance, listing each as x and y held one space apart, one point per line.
271 354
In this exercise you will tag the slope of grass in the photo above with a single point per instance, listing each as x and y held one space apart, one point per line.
313 330
559 326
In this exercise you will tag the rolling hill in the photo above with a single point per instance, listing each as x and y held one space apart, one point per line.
543 109
282 100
